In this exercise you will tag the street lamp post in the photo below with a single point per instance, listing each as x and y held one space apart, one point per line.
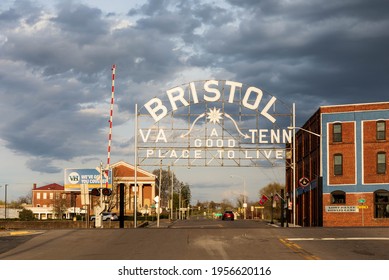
159 202
244 195
5 200
303 129
294 127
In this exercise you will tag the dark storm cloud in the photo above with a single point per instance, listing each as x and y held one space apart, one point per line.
55 64
42 165
21 9
56 79
328 53
10 15
83 23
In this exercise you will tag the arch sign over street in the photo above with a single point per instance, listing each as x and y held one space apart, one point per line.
213 123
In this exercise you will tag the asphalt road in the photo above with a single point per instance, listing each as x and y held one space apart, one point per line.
201 240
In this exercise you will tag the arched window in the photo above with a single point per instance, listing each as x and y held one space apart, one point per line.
338 164
338 197
381 204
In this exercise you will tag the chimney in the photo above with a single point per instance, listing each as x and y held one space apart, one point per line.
34 187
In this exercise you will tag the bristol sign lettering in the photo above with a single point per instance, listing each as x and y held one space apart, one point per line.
213 123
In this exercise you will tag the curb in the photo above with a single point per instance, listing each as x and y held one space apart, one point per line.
19 232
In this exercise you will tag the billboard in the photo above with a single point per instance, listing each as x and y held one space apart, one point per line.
74 178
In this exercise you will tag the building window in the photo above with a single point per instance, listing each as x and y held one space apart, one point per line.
44 195
338 164
38 195
337 132
381 199
51 195
381 130
381 163
338 197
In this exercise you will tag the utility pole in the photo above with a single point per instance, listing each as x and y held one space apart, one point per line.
136 165
159 203
179 203
5 200
171 193
272 209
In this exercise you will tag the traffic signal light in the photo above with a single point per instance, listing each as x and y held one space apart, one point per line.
95 192
107 192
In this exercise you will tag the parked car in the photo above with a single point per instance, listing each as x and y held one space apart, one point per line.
107 216
228 215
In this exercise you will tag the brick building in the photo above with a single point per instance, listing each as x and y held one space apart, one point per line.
49 200
124 176
347 167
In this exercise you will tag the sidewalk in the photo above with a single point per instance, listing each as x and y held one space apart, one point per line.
278 224
163 223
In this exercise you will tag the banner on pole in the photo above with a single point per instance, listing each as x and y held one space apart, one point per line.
263 200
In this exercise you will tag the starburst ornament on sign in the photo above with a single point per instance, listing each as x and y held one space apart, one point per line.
214 115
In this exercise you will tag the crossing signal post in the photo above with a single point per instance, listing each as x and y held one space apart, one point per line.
102 193
85 202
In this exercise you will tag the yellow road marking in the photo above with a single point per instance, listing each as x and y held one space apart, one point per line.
297 249
12 233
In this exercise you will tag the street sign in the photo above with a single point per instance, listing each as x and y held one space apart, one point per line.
361 200
363 206
304 182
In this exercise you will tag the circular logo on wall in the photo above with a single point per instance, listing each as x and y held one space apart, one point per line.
74 178
304 182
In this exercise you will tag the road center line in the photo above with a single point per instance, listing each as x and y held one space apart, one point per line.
338 238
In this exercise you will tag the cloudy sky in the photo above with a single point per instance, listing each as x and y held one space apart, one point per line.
56 58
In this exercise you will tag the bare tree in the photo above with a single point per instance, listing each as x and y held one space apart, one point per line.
59 203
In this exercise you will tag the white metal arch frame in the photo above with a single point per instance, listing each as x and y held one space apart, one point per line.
213 123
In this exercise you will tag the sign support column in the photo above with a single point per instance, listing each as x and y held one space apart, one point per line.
294 163
136 164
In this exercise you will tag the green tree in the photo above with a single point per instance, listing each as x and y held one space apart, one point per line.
226 205
26 215
178 187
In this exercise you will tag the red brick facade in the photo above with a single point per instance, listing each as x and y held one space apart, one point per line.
371 147
53 195
49 195
365 217
347 149
355 190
